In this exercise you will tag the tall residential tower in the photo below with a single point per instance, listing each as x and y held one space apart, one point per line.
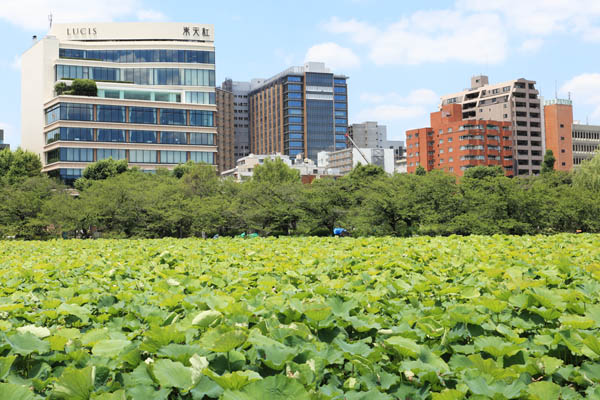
155 104
514 101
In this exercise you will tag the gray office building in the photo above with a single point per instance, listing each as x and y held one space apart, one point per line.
241 120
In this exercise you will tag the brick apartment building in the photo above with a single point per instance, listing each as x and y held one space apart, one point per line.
454 144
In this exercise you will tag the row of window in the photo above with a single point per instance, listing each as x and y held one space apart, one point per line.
139 76
588 148
137 115
135 156
586 135
141 56
118 135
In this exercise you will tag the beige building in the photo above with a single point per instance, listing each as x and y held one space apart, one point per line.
308 170
155 104
225 130
516 101
586 142
345 160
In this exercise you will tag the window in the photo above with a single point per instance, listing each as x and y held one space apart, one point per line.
69 112
173 138
172 117
115 154
340 121
441 141
297 120
294 111
340 113
142 156
338 81
173 157
202 156
201 118
71 154
200 97
202 138
71 134
141 56
110 113
111 135
294 104
338 97
142 137
339 89
294 79
339 129
294 95
142 115
450 149
294 87
295 128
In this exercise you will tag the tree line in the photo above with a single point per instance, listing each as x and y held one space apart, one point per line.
113 200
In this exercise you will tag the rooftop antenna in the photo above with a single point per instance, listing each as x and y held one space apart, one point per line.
50 19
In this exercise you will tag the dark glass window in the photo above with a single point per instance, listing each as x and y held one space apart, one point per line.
341 106
296 136
295 127
294 87
340 121
201 118
173 137
338 81
340 129
70 154
71 134
340 97
297 120
294 79
110 113
340 137
294 95
170 116
319 79
142 137
142 115
111 135
141 56
339 89
294 103
70 112
319 127
296 144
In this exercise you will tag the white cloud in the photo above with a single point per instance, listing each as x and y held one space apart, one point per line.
531 45
584 89
543 17
430 36
388 108
33 14
333 55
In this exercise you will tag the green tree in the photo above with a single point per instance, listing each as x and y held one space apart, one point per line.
18 165
420 170
83 87
325 204
548 163
587 175
100 170
484 171
269 202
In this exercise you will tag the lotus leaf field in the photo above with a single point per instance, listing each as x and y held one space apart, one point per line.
499 317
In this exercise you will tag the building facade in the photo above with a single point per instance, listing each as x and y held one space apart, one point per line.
345 160
514 101
308 170
241 120
372 135
225 130
586 142
558 125
155 104
2 144
302 110
453 144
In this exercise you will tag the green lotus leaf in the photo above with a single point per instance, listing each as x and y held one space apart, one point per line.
172 374
110 348
27 343
5 364
544 390
273 388
11 391
221 341
75 384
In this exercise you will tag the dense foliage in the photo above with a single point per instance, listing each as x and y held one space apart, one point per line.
79 87
192 201
502 317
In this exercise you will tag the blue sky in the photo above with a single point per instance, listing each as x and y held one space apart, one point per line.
400 56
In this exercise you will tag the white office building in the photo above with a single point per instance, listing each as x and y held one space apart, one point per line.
345 160
155 103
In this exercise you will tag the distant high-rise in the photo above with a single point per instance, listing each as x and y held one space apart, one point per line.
241 120
302 110
225 130
2 144
371 135
514 101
